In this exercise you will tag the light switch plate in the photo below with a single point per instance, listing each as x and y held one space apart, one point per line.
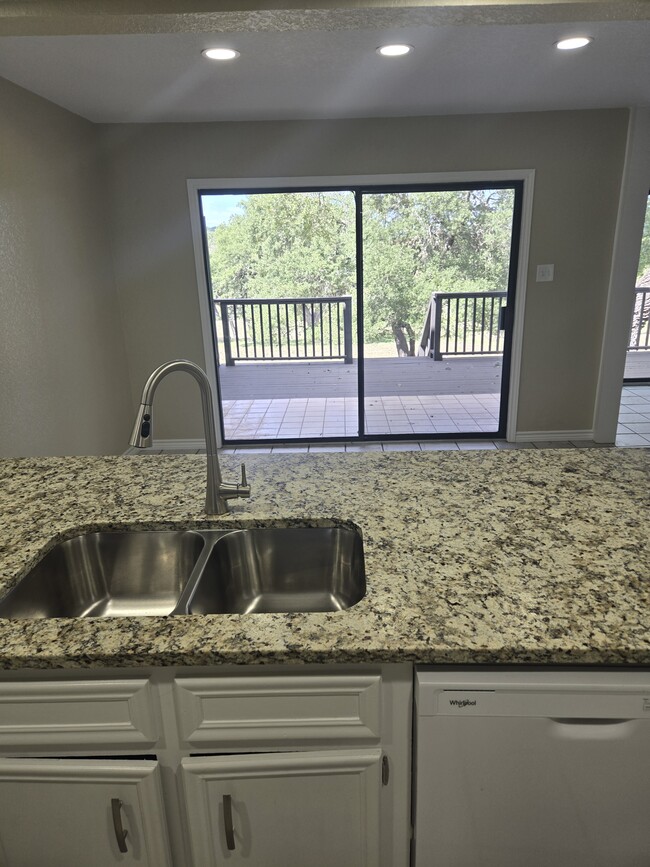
545 273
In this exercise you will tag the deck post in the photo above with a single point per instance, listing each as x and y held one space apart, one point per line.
347 328
223 306
437 325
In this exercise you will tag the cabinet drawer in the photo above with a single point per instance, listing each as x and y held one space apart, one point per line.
277 711
78 714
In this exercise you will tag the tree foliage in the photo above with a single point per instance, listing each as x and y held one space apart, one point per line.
414 243
419 243
644 260
285 245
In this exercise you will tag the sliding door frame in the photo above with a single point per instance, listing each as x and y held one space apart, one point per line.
358 184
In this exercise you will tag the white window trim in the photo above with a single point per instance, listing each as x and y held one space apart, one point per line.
343 181
625 260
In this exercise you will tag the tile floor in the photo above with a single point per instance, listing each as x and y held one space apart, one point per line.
633 432
316 417
634 417
633 427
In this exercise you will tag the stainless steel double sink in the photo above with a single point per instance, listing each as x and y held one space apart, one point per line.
135 573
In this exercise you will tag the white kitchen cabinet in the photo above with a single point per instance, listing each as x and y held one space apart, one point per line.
314 761
74 812
276 712
115 713
284 809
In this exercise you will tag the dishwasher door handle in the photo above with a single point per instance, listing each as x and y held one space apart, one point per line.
594 728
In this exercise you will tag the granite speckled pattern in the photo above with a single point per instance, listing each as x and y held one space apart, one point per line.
474 557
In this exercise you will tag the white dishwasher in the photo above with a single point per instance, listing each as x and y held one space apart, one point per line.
526 768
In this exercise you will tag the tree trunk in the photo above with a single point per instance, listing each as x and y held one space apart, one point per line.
404 347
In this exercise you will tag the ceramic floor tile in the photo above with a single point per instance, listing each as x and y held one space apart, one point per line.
590 444
317 417
632 439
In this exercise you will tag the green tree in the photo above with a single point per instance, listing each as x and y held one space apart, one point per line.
644 260
285 245
419 243
414 243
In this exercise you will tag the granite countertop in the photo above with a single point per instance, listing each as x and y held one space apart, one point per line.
519 556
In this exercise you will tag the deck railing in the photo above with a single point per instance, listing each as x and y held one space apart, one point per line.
640 331
463 323
283 329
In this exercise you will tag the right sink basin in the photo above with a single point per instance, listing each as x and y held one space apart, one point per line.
281 569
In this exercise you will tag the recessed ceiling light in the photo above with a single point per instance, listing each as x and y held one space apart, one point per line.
574 42
394 50
220 53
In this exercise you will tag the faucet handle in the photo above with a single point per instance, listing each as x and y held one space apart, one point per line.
243 488
230 490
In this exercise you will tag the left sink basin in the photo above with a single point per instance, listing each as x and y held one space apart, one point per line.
109 574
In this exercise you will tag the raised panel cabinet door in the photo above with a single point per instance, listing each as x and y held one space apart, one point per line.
271 711
81 812
77 714
284 809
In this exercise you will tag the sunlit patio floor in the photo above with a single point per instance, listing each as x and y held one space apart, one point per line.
405 396
633 432
284 400
316 417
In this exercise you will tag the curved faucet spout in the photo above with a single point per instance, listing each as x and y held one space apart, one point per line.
217 492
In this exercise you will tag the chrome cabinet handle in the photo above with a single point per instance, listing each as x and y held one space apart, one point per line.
227 822
120 832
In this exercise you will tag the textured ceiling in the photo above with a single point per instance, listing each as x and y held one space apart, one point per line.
323 64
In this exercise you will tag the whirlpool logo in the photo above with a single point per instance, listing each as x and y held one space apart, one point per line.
462 702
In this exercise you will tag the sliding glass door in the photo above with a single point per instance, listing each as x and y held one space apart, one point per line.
637 364
436 268
283 280
369 313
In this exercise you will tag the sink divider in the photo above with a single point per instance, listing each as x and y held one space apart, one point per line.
211 537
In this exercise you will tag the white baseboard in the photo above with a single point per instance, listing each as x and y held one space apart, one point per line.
171 446
179 445
534 436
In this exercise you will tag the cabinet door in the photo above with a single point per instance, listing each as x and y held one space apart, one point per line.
73 812
284 809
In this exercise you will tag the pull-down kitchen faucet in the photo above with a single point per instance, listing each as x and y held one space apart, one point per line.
218 492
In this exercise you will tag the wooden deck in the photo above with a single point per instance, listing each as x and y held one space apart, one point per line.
637 365
412 396
318 399
384 377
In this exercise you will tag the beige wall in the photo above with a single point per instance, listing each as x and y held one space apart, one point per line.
578 158
63 380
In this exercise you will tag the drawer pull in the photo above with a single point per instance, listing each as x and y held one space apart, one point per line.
120 832
227 822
